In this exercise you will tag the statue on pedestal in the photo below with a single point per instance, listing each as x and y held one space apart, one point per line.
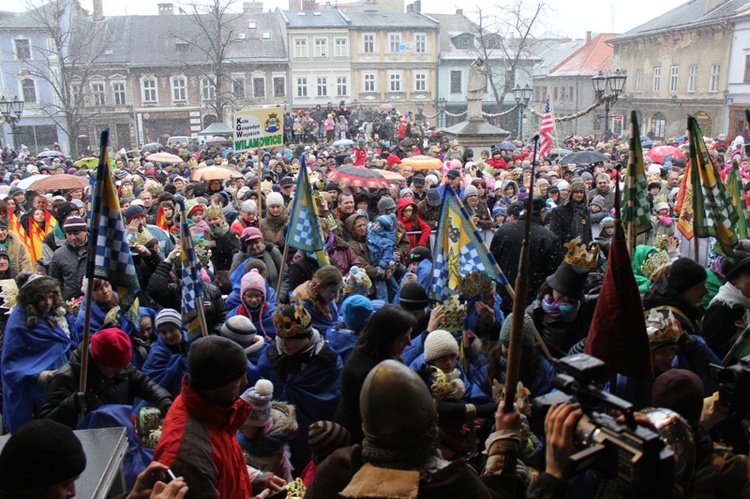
475 89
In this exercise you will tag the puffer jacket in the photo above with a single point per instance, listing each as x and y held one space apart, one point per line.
414 224
20 260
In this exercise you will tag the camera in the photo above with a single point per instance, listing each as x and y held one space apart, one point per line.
634 453
734 385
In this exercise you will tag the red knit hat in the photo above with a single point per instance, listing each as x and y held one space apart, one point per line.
111 348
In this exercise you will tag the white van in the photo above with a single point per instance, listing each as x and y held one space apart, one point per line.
181 139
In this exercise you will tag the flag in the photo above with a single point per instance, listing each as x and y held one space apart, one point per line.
714 214
684 204
191 285
161 219
112 260
15 225
459 249
637 209
734 186
545 133
304 231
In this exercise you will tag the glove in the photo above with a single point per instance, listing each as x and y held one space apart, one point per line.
78 401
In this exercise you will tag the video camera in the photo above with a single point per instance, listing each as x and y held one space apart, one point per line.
634 453
734 385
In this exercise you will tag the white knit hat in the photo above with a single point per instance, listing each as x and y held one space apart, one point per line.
274 199
248 206
439 343
260 397
432 178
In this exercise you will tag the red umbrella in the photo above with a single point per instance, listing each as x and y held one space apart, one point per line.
358 177
659 154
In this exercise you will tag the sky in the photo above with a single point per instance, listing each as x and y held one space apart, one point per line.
563 17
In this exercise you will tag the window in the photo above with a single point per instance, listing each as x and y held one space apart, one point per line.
639 80
321 47
713 85
342 47
562 93
341 85
302 87
208 89
322 86
674 76
464 42
23 48
571 95
394 42
420 43
369 82
455 82
279 86
747 69
394 79
238 87
51 48
75 93
659 125
657 79
179 89
259 86
692 77
554 94
118 89
28 89
300 48
368 43
97 91
148 86
420 82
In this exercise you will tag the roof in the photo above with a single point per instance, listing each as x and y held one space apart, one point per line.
688 15
588 60
29 19
378 20
314 19
452 25
552 52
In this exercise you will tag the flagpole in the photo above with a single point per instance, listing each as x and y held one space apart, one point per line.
281 273
633 158
693 177
554 123
201 315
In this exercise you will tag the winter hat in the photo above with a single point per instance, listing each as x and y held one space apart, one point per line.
607 222
403 192
598 201
733 267
74 223
470 190
168 316
356 310
4 254
386 203
356 280
40 453
65 209
569 280
542 181
684 274
111 348
239 329
528 331
133 211
249 206
214 361
453 174
79 204
386 221
251 233
292 321
434 198
419 253
3 223
325 437
253 281
587 176
260 397
434 180
515 208
563 185
243 192
274 199
577 187
286 182
680 390
413 296
499 211
438 343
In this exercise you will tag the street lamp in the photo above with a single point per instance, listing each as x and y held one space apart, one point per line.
522 96
420 110
441 103
11 111
608 89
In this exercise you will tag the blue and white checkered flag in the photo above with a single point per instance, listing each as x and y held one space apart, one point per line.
191 285
304 231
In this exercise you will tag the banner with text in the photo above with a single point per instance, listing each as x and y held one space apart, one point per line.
258 128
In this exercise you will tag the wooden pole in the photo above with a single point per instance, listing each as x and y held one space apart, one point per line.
201 313
260 180
281 272
693 176
633 160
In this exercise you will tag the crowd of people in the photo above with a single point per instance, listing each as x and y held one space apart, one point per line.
346 378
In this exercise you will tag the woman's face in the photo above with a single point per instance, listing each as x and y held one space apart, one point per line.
147 327
407 213
39 216
662 359
44 304
400 343
292 346
4 264
103 294
327 295
510 191
557 296
168 211
11 204
472 201
3 234
482 190
275 210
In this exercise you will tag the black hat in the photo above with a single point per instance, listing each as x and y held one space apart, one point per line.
538 204
732 267
134 211
215 361
417 180
40 453
515 209
419 253
74 223
684 274
569 280
332 186
413 296
680 390
453 173
3 223
286 181
65 209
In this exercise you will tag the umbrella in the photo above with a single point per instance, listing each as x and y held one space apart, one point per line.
422 163
58 182
583 158
152 147
164 157
89 162
358 177
560 152
217 140
343 143
50 154
392 176
214 173
506 145
25 183
660 153
386 107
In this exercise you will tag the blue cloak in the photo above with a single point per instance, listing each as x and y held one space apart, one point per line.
97 319
165 367
263 324
474 393
342 341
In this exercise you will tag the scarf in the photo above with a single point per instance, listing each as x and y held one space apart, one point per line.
562 310
276 223
728 294
331 242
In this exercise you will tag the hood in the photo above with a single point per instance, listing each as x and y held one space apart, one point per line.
508 182
403 203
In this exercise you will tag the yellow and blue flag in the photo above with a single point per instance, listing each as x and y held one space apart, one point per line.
304 231
191 286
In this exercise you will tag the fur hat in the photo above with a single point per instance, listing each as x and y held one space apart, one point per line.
214 361
239 329
528 331
168 316
111 348
260 397
253 281
439 343
356 310
34 287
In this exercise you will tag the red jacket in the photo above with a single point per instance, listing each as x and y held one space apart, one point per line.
199 443
413 224
497 164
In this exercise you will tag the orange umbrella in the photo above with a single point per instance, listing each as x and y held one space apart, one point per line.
214 173
392 176
60 181
422 163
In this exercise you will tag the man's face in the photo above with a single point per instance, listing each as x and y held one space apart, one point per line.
76 238
256 246
334 194
41 203
170 334
44 304
147 199
407 172
287 190
19 198
141 223
346 204
455 183
602 184
673 180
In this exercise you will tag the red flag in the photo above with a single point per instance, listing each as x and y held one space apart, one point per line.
545 133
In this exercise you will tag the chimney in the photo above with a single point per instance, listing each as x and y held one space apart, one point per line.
410 8
309 5
418 6
98 10
166 9
459 12
588 36
713 4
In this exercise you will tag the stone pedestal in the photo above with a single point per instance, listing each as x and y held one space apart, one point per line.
476 132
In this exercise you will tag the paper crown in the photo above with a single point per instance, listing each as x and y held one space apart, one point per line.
292 320
662 327
266 185
580 256
655 262
213 211
474 283
654 178
660 242
453 314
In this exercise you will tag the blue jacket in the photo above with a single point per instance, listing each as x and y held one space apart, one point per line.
342 341
381 243
262 318
166 367
474 393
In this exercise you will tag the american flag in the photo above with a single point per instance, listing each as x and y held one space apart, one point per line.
548 123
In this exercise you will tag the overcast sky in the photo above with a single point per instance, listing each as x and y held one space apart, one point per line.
564 17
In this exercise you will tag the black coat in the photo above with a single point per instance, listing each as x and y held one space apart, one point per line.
570 221
227 245
721 325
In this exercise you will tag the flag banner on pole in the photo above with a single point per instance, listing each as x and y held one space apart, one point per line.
113 260
545 132
714 215
684 204
304 231
190 284
637 209
734 186
14 224
458 250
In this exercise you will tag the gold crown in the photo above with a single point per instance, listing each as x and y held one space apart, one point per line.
661 198
453 314
213 211
439 385
660 242
655 262
292 321
474 283
654 178
662 328
579 256
266 185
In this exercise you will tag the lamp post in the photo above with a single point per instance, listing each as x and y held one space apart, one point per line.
522 96
420 110
11 110
441 103
608 89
